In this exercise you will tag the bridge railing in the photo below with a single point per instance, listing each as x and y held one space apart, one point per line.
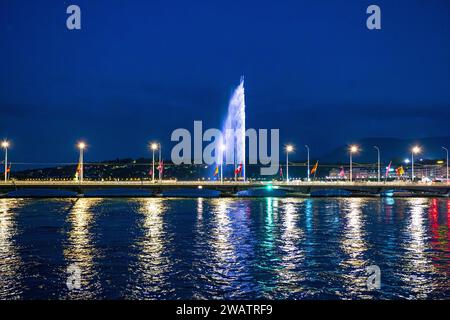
216 183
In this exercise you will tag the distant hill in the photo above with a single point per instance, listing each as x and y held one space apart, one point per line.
391 149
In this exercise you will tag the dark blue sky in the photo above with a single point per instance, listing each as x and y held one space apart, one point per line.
139 69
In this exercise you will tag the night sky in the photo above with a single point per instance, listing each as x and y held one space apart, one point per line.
137 70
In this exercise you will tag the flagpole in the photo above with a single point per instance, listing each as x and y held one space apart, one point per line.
234 156
379 166
222 149
446 150
159 164
387 172
307 148
316 166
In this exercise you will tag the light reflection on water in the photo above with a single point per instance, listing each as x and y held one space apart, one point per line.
10 287
354 246
289 248
80 251
153 262
416 261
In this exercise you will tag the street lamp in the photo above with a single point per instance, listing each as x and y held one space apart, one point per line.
415 150
307 149
153 146
379 165
353 149
222 149
81 146
5 145
289 148
446 151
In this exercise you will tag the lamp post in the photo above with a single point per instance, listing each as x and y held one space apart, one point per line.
81 146
153 146
446 151
307 152
414 151
353 149
5 145
379 164
289 148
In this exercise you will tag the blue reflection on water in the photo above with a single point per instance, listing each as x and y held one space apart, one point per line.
281 248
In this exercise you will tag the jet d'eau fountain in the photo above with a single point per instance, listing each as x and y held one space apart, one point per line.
229 145
234 129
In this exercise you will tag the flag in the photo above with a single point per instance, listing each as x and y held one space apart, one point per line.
216 172
388 168
78 171
281 172
150 172
314 169
8 170
342 173
400 171
238 169
161 167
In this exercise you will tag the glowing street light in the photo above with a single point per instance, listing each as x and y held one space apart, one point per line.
415 150
289 148
5 145
446 151
353 149
379 164
81 146
153 146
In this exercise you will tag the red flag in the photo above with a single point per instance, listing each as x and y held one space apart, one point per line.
342 173
150 172
388 168
281 172
238 169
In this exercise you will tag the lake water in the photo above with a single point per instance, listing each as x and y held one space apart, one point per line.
226 248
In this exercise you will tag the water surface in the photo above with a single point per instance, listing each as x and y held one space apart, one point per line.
155 248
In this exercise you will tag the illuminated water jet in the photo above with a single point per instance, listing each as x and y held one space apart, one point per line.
235 143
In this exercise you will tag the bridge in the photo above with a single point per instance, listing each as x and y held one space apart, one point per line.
169 188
